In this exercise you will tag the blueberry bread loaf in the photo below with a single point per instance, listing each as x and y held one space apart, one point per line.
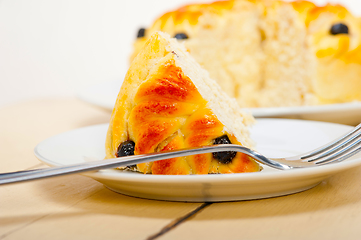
269 53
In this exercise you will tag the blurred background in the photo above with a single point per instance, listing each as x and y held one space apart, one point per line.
54 48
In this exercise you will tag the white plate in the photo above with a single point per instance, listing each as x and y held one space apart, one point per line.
275 138
105 94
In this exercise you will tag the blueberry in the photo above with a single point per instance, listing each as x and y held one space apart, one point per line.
141 33
339 28
126 149
181 36
223 157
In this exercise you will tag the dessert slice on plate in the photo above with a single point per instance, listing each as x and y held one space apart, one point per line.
167 101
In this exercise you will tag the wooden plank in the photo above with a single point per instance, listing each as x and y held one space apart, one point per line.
81 208
331 210
25 124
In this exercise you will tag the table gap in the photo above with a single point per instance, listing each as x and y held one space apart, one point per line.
179 221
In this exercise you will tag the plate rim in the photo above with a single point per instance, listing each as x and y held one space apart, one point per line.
319 109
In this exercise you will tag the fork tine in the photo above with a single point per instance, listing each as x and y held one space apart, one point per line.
340 159
344 151
346 139
350 141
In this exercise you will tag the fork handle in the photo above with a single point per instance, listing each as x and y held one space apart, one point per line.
8 174
27 175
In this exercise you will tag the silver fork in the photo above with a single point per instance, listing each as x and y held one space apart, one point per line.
336 151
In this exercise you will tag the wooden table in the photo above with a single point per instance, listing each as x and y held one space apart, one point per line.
77 207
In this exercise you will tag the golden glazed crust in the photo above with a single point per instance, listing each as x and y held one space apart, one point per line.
271 53
159 108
